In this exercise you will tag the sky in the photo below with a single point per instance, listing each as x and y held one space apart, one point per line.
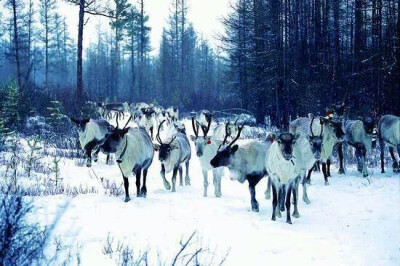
204 14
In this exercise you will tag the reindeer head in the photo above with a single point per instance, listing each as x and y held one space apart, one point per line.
286 143
80 124
334 126
200 142
225 152
148 112
164 149
369 124
114 138
316 142
180 127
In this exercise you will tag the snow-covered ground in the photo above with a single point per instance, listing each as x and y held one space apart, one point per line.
349 222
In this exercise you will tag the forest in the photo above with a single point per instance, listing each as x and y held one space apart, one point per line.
281 59
190 132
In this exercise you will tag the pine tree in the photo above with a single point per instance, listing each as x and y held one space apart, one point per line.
55 111
34 148
9 112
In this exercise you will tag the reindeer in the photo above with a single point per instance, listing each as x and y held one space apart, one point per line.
172 155
284 173
117 108
92 135
203 118
173 113
333 135
206 149
389 133
147 120
307 151
245 161
359 134
135 153
227 130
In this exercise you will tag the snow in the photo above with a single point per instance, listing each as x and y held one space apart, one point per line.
349 222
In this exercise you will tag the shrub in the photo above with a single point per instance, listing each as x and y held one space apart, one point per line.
21 243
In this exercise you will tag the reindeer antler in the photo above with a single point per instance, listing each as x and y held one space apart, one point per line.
205 132
311 124
226 133
158 132
129 120
196 131
116 119
240 128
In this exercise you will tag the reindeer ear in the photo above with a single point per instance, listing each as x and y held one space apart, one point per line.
234 148
75 121
174 146
271 137
125 131
156 147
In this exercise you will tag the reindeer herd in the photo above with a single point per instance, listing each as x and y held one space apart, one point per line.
284 158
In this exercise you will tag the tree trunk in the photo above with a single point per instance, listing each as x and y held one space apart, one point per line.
16 44
79 75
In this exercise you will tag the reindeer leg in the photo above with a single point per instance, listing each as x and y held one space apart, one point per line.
398 153
358 157
143 190
328 167
180 175
288 194
96 155
126 186
325 174
187 178
341 159
274 202
175 171
88 152
305 195
268 191
253 181
382 147
363 158
166 183
205 182
296 213
395 164
308 179
138 173
282 193
217 182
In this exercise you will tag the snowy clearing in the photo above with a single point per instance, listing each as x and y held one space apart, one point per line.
347 223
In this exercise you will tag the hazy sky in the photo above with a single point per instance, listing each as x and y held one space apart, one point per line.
204 14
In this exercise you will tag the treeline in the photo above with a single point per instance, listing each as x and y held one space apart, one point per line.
35 46
39 54
291 57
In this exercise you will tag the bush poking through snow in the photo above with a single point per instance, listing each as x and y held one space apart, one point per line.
122 253
111 188
190 252
55 169
21 243
32 158
12 166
